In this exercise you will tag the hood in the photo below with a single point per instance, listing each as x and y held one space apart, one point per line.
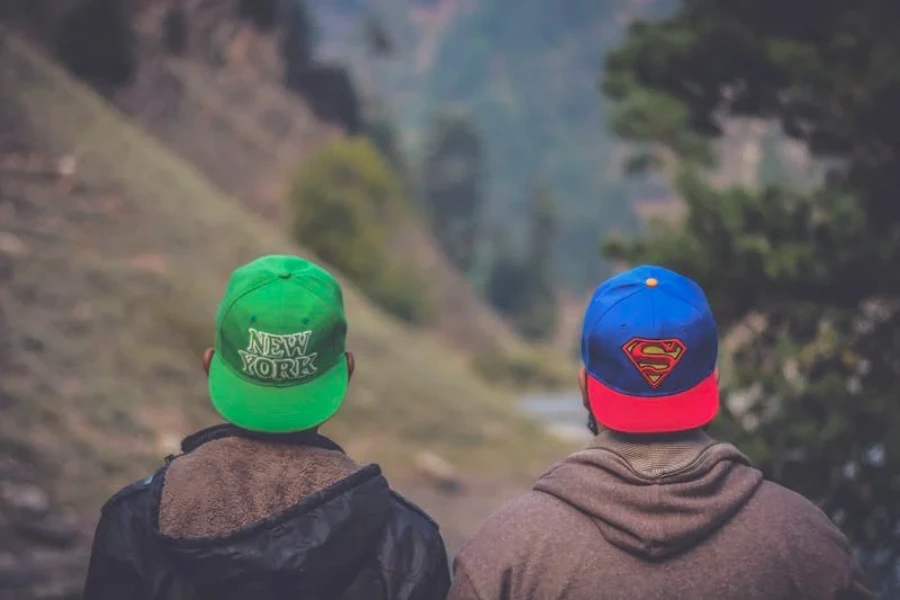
310 546
656 498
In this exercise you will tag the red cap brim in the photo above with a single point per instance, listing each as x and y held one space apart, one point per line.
690 409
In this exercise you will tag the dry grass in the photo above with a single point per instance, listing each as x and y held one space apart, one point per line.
114 299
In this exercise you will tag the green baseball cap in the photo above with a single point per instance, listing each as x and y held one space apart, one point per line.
279 364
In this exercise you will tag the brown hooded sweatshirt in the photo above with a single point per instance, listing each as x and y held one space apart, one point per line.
685 518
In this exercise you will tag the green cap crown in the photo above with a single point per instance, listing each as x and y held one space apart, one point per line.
280 363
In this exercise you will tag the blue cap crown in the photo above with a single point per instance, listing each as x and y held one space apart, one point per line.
649 332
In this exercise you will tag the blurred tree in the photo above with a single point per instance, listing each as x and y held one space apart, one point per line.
383 134
328 89
296 43
382 131
543 232
507 278
347 203
175 31
96 40
331 95
378 40
453 186
540 319
263 13
803 273
522 289
526 71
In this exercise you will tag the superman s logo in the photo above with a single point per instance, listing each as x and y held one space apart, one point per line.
654 359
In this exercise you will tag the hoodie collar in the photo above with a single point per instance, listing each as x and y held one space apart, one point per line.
654 498
654 456
217 432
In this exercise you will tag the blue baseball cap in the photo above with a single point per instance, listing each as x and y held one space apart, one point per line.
649 346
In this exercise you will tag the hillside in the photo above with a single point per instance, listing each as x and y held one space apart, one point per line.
223 106
108 284
218 98
528 75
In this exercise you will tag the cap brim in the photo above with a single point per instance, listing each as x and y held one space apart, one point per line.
686 410
272 409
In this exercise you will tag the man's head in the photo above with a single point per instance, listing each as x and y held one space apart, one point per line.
279 364
649 346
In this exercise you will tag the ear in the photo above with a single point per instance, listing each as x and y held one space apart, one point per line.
582 385
207 359
351 364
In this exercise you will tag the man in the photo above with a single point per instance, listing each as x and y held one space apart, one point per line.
265 508
653 507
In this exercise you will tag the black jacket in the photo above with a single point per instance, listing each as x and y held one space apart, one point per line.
355 539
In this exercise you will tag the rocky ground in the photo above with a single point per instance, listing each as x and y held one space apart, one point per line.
43 551
43 554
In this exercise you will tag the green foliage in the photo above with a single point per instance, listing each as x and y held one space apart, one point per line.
531 370
403 291
522 289
808 269
382 132
347 204
453 186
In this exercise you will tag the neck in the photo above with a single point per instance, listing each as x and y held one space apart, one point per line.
655 455
309 437
654 438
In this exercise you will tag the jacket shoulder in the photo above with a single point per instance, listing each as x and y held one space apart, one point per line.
411 543
411 527
782 505
799 529
129 492
413 511
123 517
806 538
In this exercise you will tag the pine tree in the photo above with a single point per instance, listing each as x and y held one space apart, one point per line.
175 30
96 40
521 288
453 186
802 274
263 13
296 44
378 40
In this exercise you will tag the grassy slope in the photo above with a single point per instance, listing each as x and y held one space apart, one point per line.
115 301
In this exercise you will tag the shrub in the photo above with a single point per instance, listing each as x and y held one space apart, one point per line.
347 204
524 369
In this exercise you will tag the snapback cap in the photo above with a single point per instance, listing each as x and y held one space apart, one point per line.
649 345
279 364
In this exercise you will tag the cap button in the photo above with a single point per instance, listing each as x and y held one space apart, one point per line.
651 282
285 274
